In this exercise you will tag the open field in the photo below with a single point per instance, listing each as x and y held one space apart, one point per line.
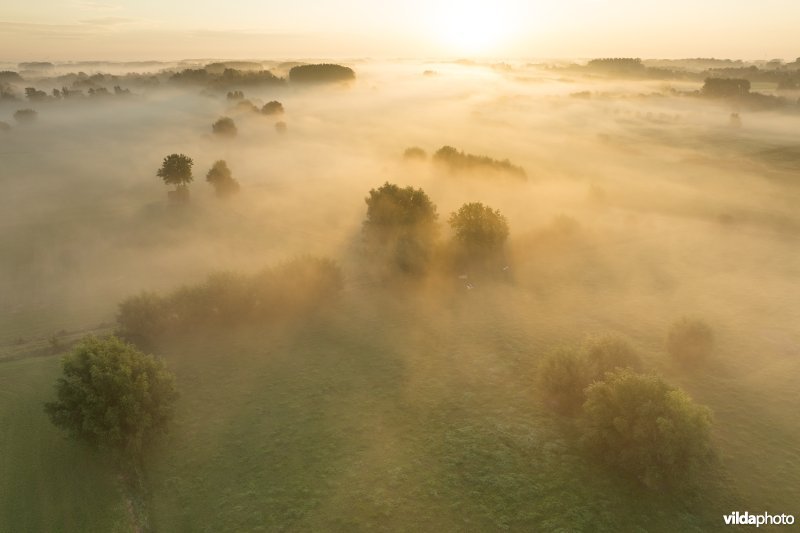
405 405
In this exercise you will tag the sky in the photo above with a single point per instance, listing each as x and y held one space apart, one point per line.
59 30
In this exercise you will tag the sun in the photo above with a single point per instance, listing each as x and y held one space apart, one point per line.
471 27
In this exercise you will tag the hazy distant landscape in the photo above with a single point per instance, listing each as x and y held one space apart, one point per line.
394 295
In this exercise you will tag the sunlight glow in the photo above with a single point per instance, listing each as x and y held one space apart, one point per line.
472 27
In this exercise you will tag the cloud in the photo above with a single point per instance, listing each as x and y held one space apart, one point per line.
107 21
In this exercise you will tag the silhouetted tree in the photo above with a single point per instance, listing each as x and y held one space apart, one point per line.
176 169
224 127
690 341
645 428
415 152
457 161
272 108
221 179
401 224
112 396
479 228
25 116
35 95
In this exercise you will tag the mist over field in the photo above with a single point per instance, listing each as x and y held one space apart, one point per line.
406 402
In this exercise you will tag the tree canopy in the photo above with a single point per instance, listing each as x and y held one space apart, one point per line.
224 127
321 73
402 222
220 177
176 169
479 227
644 427
112 396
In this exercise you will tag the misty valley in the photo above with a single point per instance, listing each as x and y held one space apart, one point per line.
402 295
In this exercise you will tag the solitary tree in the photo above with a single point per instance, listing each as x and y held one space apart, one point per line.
112 396
480 233
645 428
176 169
224 127
272 108
690 341
221 179
401 222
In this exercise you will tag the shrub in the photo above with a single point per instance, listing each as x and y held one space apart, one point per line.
288 291
609 352
415 152
645 428
690 341
25 116
562 376
112 395
219 176
272 108
224 127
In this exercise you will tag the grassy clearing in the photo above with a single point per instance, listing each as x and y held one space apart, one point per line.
46 482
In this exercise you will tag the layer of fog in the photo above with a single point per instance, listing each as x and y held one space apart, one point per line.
674 209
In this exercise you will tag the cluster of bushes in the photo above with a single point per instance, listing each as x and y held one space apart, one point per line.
221 179
401 231
225 299
457 161
634 422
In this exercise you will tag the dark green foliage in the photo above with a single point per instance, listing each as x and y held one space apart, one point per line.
690 341
565 373
608 352
322 73
726 87
647 429
562 376
112 396
415 152
226 299
272 108
224 127
401 226
176 169
457 161
221 179
479 228
25 116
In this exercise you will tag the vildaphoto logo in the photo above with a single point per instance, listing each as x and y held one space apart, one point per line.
766 519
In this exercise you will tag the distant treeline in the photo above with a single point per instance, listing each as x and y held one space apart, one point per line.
323 73
456 161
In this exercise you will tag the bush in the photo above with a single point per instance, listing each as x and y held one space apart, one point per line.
690 341
609 352
287 291
646 429
112 396
272 108
25 116
479 228
415 152
562 376
219 176
224 127
565 373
